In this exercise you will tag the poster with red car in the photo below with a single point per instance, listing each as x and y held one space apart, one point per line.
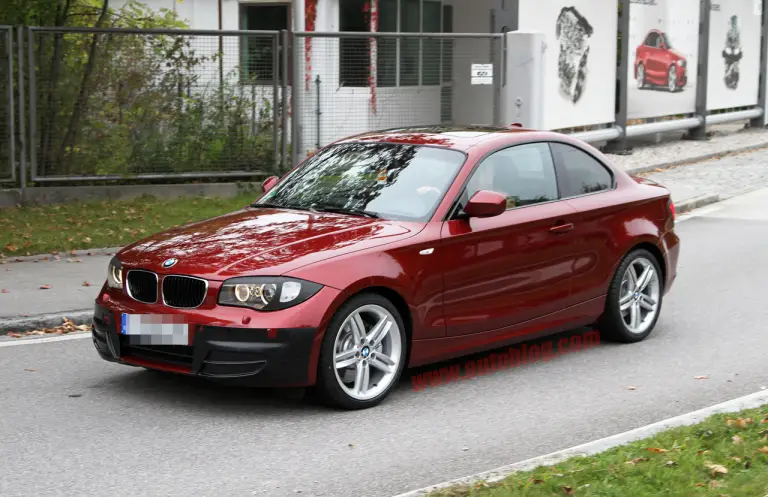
663 56
733 77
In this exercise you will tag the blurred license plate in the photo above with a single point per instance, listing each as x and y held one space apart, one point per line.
155 329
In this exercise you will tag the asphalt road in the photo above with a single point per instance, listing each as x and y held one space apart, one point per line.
71 424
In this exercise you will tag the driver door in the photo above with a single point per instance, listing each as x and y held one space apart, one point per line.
517 266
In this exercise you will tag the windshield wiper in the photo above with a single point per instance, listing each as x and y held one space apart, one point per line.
344 210
281 206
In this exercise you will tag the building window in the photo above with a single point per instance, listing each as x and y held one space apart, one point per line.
257 53
399 61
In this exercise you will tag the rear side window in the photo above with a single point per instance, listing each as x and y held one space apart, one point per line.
579 172
524 173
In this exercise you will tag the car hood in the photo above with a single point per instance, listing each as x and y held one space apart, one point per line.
260 242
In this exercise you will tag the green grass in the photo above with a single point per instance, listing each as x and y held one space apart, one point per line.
60 228
699 460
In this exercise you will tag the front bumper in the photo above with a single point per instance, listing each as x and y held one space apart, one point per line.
255 357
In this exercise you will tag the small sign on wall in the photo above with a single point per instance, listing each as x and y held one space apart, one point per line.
482 74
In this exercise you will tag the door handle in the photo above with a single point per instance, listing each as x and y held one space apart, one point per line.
561 228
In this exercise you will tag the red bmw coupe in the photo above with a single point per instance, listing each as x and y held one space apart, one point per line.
394 249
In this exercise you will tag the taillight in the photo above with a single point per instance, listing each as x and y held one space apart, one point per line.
671 206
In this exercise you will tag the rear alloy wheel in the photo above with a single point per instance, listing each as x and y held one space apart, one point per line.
672 78
634 298
363 353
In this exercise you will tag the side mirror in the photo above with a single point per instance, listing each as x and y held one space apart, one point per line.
486 203
269 183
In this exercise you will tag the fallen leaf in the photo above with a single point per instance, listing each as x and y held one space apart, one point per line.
85 283
568 490
351 446
13 335
701 377
736 439
656 449
74 395
631 388
737 459
536 481
717 469
763 449
45 287
670 463
4 291
699 484
29 369
637 460
743 423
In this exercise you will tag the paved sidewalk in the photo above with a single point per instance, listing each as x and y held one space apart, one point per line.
727 176
23 282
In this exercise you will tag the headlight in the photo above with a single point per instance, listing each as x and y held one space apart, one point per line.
115 274
681 62
266 293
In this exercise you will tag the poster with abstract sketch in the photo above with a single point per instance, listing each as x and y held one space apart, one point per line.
579 61
734 63
663 56
572 30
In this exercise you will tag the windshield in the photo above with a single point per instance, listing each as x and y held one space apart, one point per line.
391 181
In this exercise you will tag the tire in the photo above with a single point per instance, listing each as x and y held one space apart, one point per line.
640 76
616 324
338 386
672 80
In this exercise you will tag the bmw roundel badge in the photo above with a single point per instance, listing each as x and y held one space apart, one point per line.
170 262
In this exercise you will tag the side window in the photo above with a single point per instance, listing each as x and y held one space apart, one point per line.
524 173
580 172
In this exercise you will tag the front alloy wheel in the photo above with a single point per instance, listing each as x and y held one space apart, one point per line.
641 76
672 80
634 298
363 353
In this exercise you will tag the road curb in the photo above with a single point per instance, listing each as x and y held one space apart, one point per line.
62 255
750 401
40 321
696 202
696 159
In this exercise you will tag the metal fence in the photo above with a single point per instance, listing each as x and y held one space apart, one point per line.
123 103
7 118
349 83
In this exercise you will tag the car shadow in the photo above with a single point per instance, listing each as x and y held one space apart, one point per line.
191 393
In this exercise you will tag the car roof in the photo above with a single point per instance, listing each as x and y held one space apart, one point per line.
459 137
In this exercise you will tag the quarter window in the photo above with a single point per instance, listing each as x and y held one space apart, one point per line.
580 172
524 173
